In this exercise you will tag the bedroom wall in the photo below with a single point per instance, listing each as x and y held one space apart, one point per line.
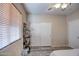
73 29
59 28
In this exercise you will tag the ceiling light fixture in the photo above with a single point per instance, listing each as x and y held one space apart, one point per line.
58 5
64 5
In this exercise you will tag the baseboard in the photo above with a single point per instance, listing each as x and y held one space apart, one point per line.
40 46
59 46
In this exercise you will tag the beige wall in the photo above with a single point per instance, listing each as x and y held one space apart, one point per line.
59 28
14 49
73 29
22 10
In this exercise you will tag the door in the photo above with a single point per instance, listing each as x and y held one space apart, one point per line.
74 33
41 34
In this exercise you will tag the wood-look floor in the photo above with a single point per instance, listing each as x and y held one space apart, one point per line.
43 51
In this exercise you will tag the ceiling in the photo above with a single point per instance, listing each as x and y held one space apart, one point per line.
42 8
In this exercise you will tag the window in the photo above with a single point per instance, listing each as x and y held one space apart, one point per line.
10 24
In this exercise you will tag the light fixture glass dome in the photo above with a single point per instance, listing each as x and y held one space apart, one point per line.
58 5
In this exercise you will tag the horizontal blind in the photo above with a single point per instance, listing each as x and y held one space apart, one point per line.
4 24
10 24
15 26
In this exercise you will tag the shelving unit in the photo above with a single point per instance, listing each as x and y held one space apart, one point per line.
26 37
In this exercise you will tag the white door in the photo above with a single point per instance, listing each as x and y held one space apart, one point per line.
41 34
74 34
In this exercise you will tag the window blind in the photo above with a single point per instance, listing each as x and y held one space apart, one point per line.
4 24
10 24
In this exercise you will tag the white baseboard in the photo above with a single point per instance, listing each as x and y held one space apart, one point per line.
59 46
